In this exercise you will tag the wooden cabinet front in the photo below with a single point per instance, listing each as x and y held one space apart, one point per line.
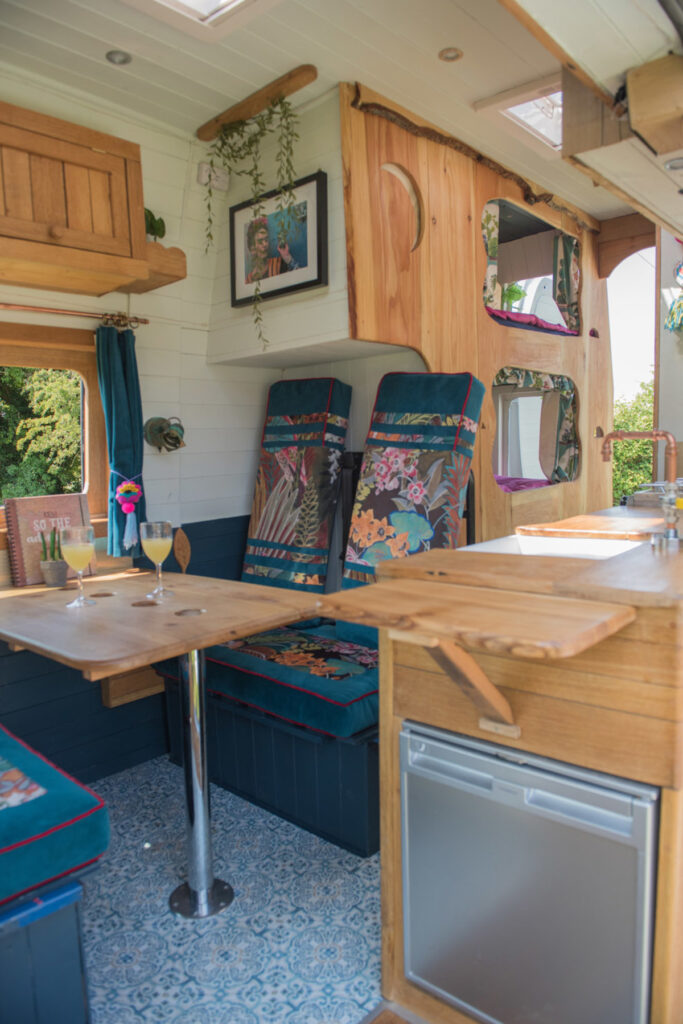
71 205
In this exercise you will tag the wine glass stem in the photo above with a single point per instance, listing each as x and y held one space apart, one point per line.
79 578
159 586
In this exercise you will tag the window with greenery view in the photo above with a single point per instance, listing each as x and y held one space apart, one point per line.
632 461
40 432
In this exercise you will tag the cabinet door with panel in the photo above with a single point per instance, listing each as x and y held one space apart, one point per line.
69 186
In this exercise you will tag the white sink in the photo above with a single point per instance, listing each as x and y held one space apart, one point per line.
564 547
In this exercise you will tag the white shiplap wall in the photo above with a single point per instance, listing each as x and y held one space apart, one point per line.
221 407
295 323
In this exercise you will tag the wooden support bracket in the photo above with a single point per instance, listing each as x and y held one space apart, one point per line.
294 80
473 681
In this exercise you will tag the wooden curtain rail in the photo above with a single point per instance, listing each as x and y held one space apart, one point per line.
108 319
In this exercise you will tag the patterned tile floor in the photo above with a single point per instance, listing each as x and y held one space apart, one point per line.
299 945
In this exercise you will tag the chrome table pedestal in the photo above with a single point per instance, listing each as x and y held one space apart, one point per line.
202 895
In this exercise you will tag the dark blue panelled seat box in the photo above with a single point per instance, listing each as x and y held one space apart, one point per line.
52 829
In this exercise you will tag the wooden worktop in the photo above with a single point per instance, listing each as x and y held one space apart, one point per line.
644 577
622 523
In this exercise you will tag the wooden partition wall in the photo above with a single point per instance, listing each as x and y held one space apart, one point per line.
416 267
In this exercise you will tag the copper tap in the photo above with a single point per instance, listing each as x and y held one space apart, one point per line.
669 498
670 452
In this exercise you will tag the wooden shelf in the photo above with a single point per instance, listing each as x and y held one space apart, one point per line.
165 267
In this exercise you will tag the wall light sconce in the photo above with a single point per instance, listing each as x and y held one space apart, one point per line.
164 434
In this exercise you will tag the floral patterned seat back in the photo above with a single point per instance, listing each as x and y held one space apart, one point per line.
415 469
297 484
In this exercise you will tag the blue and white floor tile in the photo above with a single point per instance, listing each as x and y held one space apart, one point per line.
299 945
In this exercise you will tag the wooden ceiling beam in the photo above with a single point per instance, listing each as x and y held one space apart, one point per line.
294 80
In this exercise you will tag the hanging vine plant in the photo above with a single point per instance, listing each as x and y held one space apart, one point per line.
237 148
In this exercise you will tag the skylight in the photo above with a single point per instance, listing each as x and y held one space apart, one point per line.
203 10
535 109
207 20
541 116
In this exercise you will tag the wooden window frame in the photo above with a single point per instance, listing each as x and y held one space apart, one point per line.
64 348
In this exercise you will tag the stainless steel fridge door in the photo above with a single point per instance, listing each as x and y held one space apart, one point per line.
528 888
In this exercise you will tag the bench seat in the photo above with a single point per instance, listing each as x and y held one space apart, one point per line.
50 825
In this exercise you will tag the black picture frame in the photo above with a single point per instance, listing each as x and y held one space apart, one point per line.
306 244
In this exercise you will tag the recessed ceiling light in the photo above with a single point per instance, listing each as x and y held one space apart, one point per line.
675 164
450 53
118 57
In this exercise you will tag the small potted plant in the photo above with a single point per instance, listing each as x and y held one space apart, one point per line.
52 565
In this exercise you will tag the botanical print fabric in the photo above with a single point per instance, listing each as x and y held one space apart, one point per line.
297 484
15 787
567 444
414 473
320 656
566 279
489 228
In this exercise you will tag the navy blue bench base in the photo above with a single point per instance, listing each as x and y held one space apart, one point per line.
327 785
42 973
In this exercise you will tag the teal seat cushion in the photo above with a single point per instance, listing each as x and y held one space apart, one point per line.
306 677
50 825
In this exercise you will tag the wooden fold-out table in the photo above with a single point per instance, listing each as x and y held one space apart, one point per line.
125 630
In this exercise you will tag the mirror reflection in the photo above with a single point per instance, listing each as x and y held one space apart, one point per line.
532 272
537 442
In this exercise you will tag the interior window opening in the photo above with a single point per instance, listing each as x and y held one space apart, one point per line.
532 273
536 443
632 301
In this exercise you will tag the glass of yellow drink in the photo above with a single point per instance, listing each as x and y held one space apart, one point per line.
78 548
156 541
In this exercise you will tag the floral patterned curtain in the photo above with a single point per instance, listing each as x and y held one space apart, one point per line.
566 279
489 228
567 441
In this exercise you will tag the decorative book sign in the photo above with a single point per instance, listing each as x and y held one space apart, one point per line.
27 518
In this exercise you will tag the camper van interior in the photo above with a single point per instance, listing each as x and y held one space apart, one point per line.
304 307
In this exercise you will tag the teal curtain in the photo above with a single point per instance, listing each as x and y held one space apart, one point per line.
117 373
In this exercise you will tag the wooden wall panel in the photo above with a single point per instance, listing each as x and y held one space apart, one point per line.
431 298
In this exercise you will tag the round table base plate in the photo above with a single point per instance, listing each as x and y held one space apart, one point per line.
187 903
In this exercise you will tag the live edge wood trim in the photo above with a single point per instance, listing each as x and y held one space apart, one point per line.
66 348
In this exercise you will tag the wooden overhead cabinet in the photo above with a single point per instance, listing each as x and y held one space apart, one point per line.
71 206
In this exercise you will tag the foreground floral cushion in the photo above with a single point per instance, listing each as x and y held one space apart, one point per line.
305 676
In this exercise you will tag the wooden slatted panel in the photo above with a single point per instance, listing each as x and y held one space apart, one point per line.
603 739
77 187
47 190
34 168
567 681
16 172
100 202
2 188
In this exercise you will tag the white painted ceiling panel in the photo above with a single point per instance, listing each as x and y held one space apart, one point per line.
606 37
389 45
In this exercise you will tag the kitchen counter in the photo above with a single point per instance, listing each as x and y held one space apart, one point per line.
453 631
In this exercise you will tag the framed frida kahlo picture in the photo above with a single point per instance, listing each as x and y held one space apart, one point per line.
285 250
